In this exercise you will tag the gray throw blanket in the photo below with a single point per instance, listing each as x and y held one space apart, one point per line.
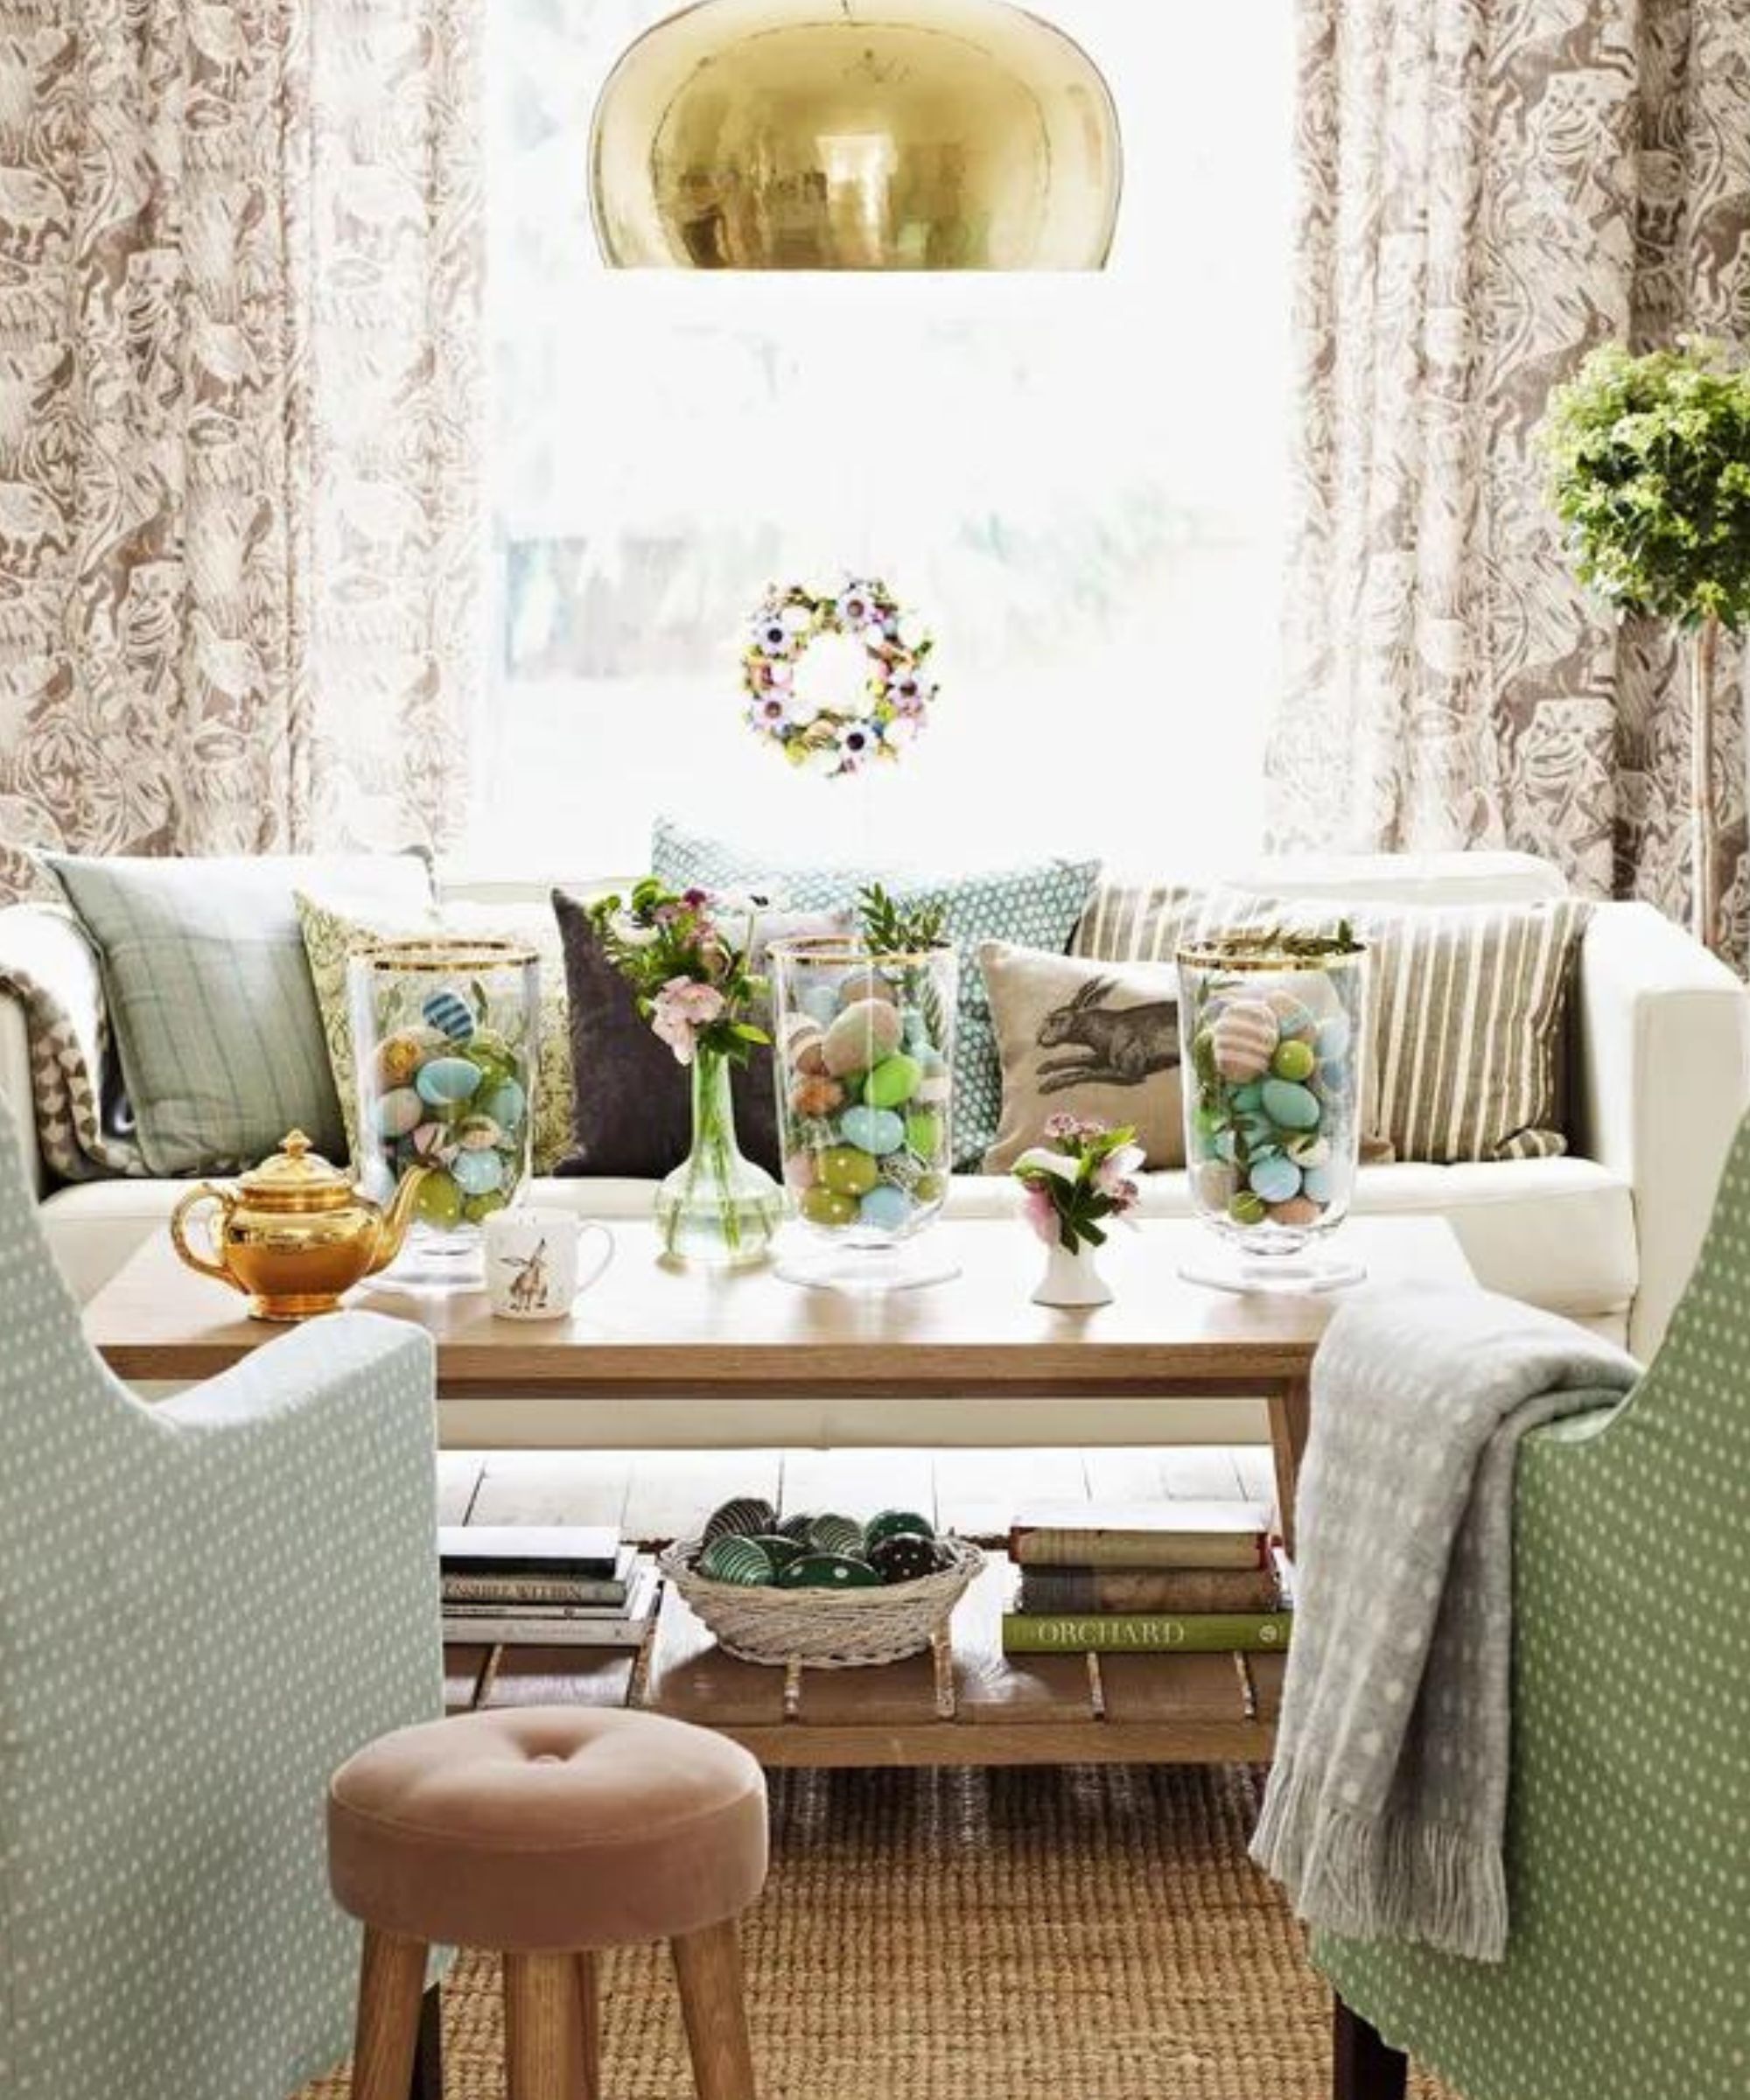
1385 1811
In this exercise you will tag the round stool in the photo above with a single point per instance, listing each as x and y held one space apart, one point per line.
546 1833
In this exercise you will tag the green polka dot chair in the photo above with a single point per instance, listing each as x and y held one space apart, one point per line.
205 1606
1628 1975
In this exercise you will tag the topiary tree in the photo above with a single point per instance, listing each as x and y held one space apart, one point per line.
1649 470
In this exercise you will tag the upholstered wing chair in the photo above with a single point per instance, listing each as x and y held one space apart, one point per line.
205 1605
1628 1974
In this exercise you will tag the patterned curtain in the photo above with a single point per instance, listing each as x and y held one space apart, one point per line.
1487 189
239 278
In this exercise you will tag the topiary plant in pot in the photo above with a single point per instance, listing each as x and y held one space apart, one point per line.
1649 470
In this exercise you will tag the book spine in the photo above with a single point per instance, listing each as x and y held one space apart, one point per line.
1042 1549
547 1633
549 1615
1144 1633
1053 1590
484 1567
511 1589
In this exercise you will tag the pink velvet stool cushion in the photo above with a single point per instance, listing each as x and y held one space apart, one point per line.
548 1828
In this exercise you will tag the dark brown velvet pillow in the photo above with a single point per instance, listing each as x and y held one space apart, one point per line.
631 1102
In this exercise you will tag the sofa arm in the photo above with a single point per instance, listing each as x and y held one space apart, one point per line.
53 1044
15 1085
1661 1081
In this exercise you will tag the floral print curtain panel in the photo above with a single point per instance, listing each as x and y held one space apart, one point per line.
239 370
1486 189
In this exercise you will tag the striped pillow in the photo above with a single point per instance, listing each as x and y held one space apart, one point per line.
1469 1007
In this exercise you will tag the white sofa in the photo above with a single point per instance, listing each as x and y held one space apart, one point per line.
1660 1069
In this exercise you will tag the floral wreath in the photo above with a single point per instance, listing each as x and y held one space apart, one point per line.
836 681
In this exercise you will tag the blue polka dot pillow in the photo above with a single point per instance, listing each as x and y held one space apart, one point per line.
1035 906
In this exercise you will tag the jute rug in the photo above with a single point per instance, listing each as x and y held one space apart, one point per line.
1078 1933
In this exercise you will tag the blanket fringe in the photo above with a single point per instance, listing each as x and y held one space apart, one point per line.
1387 1876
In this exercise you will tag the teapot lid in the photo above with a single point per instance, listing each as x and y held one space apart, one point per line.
297 1179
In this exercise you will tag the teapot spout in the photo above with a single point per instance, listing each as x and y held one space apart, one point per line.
396 1217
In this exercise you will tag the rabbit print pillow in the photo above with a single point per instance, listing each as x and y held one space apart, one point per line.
1093 1039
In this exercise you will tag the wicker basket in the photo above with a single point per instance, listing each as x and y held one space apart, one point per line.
823 1630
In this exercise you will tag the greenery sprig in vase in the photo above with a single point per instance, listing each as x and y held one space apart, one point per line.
1649 470
687 955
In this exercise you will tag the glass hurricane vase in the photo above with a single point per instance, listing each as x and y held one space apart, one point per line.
717 1209
1272 1107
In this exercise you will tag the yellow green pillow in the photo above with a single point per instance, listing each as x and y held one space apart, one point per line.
330 935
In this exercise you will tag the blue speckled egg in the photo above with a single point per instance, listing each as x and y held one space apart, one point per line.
885 1207
450 1013
1319 1183
447 1080
477 1174
1289 1106
819 999
1274 1178
877 1130
1333 1039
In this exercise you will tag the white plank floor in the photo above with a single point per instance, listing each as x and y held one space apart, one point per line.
657 1495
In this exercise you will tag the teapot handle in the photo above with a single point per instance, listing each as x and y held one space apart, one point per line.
205 1193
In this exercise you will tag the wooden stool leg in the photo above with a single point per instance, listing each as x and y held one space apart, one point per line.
544 2027
589 1997
391 1997
1363 2065
427 2057
707 1967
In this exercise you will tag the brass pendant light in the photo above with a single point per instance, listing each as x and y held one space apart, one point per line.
855 135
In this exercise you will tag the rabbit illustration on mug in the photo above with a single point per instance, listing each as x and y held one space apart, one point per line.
1113 1045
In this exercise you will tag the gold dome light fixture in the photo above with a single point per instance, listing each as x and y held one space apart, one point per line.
855 135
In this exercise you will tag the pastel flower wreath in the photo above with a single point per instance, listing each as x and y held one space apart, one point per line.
836 681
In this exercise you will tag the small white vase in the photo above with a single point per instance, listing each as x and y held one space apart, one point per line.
1071 1280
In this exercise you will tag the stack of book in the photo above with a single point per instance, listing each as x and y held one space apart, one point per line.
1195 1576
554 1586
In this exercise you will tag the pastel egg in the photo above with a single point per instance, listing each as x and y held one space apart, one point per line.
811 1057
450 1013
894 1079
447 1080
477 1133
1274 1178
1319 1183
799 1170
866 984
399 1056
1215 1184
886 1208
913 1030
845 1171
1227 1143
398 1112
1299 1210
1291 1015
877 1130
1246 1207
1244 1036
929 1188
867 1032
1291 1107
430 1140
1308 1149
1248 1098
1293 1060
507 1103
477 1174
831 1207
438 1200
477 1208
820 1000
933 1090
815 1095
924 1133
1332 1037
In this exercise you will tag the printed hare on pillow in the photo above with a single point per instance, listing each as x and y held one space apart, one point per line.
1086 1038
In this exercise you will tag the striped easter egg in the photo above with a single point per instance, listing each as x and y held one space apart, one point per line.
449 1014
835 1533
1243 1040
744 1517
735 1559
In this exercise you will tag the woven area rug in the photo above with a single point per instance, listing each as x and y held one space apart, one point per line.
1096 1934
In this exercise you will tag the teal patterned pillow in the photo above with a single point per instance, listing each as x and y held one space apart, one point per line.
1032 906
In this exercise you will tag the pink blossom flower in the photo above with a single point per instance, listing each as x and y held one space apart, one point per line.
680 1010
1062 1124
1039 1211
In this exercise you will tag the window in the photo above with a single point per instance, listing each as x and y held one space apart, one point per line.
1072 480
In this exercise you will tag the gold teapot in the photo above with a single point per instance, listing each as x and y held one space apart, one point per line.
294 1233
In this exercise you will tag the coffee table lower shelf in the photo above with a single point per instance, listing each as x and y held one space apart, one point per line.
966 1703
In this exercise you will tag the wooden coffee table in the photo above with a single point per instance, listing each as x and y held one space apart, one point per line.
659 1337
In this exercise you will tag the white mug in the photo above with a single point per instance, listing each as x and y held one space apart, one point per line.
534 1262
